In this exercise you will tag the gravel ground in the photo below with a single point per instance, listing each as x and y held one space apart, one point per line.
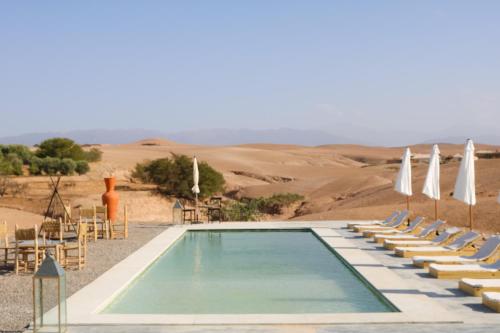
16 291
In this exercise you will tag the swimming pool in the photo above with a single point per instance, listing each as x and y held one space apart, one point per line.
248 272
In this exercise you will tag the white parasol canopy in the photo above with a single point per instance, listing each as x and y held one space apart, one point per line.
465 186
431 184
403 181
196 177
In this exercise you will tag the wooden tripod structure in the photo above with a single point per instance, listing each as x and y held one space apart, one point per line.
56 198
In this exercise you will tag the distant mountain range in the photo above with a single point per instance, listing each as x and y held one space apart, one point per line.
209 136
345 134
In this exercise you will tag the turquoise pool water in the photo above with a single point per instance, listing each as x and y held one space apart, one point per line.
244 272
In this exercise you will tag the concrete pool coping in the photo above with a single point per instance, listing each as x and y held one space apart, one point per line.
85 305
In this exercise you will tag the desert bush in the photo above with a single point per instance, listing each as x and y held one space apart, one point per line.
11 165
50 165
82 167
174 176
245 210
5 184
93 155
67 166
23 152
35 166
274 204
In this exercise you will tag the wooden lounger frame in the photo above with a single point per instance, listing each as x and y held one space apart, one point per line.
494 305
475 291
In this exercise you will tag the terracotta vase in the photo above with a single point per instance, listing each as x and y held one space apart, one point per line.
111 198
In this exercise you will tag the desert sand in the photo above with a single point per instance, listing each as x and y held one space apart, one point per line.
337 181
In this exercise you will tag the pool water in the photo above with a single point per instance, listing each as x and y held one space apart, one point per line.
245 272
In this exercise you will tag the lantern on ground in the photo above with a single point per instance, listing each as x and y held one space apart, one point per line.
49 297
177 212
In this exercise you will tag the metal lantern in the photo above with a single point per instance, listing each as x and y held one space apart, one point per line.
49 297
177 212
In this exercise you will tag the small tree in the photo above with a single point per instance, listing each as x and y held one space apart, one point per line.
82 167
93 155
60 148
174 176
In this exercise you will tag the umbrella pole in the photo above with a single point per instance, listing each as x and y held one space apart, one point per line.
196 206
408 207
470 217
435 209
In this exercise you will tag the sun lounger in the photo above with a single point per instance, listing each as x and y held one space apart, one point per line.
460 246
492 300
488 271
388 220
423 234
412 227
396 223
476 287
440 239
488 251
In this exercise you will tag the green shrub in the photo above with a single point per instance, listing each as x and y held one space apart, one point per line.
35 166
174 176
274 204
23 152
67 166
50 165
93 155
82 167
245 210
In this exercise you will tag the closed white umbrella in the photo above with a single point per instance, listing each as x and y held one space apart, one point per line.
465 186
196 188
431 184
403 181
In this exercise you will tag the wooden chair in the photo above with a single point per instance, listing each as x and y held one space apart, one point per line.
5 247
26 254
102 219
75 253
89 217
53 229
119 230
67 218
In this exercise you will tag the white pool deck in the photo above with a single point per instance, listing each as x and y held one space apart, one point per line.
84 306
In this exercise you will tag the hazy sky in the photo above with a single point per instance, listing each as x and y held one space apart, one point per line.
170 66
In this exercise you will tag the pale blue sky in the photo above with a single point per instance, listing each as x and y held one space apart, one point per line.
170 66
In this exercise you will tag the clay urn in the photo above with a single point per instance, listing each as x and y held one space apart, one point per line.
111 198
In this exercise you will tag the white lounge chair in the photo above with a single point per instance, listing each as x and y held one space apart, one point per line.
460 246
412 227
388 220
423 234
492 300
489 271
476 287
487 251
398 222
440 239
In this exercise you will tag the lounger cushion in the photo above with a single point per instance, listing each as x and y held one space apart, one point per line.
461 268
412 242
492 296
423 248
441 259
481 283
397 237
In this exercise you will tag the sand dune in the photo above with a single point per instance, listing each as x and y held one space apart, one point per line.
337 181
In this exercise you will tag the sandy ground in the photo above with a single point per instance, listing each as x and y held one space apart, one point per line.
337 181
16 291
